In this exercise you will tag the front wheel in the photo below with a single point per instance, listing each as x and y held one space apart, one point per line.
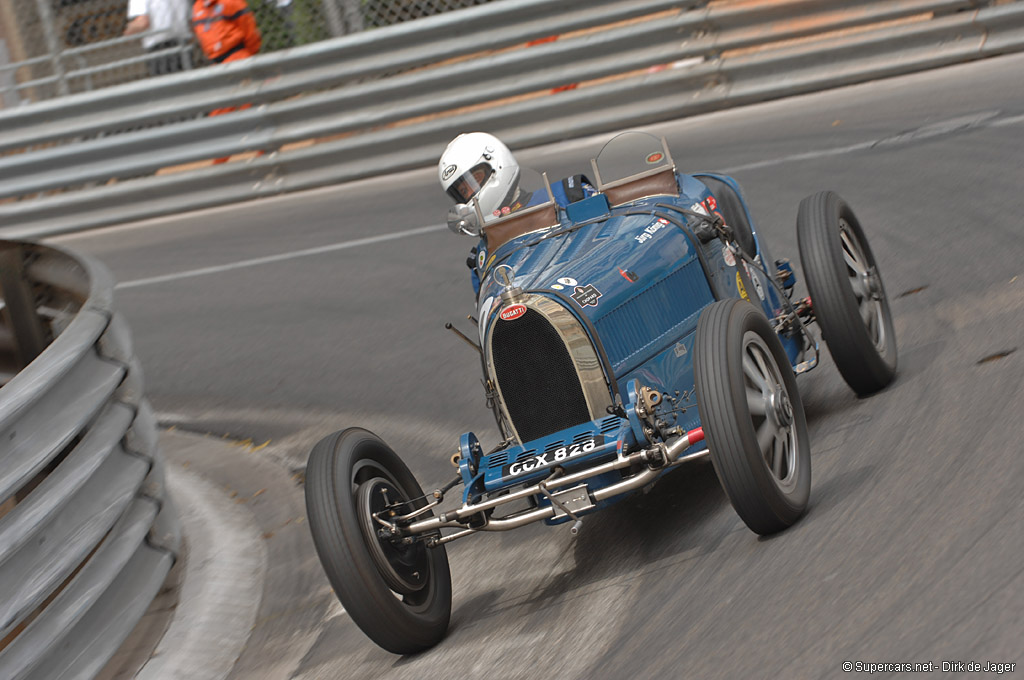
752 416
846 290
399 594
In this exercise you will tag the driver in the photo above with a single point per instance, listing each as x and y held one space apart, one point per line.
478 165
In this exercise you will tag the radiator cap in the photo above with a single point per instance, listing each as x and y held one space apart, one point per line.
506 277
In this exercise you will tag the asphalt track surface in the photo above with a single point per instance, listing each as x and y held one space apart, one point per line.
282 320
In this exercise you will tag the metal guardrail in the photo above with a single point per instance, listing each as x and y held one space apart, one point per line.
74 64
87 531
531 71
74 46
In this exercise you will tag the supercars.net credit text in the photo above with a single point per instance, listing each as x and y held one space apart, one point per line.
930 667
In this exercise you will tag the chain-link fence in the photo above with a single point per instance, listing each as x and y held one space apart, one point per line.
51 48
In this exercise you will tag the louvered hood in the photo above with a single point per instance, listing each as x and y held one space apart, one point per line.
609 260
624 275
637 277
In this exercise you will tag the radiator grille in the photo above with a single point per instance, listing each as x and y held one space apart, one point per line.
536 376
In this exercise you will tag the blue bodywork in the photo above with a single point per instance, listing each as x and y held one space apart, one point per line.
654 277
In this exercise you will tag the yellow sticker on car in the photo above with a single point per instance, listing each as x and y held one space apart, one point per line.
739 286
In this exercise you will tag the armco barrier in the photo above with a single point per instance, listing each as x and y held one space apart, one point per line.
87 531
531 71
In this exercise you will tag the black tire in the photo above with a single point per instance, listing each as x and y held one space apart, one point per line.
847 293
763 460
731 207
400 596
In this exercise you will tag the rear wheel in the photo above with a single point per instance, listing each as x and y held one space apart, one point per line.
731 207
399 594
752 416
846 290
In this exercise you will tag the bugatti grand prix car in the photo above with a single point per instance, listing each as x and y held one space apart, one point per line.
620 336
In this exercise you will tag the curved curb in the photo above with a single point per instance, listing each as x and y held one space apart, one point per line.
222 584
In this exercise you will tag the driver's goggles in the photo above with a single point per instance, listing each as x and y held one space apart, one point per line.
469 183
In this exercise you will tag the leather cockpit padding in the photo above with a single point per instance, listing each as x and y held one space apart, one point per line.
509 228
658 184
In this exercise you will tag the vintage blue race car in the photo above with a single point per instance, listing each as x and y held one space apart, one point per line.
621 336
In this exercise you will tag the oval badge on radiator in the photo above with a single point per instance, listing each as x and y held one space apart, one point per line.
513 312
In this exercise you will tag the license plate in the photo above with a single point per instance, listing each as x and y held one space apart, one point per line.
552 457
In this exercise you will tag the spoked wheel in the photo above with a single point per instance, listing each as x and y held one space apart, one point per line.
752 416
846 290
399 594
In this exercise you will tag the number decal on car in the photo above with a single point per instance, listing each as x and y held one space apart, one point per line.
553 457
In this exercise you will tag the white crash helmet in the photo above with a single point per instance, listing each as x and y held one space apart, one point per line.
478 165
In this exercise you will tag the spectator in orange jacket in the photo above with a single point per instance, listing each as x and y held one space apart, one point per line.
226 29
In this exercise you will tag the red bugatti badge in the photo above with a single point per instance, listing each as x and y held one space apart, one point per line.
513 312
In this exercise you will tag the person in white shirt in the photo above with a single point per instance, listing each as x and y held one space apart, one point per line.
167 24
